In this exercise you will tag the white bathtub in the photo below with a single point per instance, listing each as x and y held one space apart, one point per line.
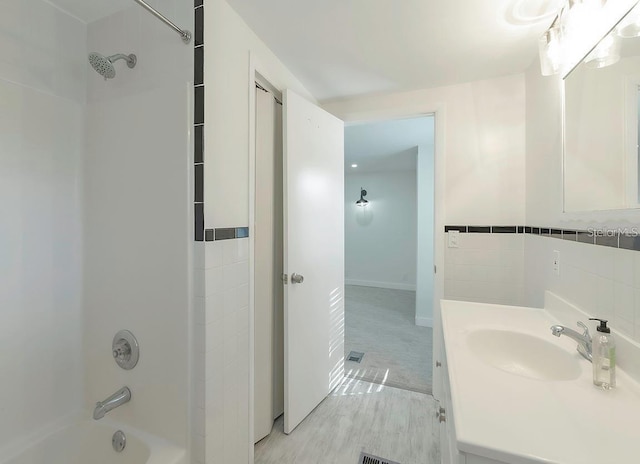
89 442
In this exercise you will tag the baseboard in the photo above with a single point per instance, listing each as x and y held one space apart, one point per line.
424 321
371 283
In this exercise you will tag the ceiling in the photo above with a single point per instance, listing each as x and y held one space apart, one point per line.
340 48
91 10
386 145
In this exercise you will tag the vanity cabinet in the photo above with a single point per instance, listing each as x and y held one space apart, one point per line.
449 453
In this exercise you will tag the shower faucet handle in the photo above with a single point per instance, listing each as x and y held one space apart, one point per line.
121 349
125 350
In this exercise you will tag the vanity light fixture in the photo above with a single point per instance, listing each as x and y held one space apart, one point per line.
362 201
630 26
606 53
354 165
568 29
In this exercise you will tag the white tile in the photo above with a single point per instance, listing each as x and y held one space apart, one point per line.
199 422
214 254
623 267
587 288
624 304
200 342
230 338
235 275
214 281
199 388
198 448
637 310
199 283
511 241
448 270
491 257
199 255
235 251
462 272
449 288
233 299
625 327
199 310
475 241
215 334
214 306
605 298
214 390
242 318
636 269
603 261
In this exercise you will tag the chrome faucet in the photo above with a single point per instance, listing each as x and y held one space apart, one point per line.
119 398
584 339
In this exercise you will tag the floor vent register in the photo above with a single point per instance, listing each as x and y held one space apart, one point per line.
371 459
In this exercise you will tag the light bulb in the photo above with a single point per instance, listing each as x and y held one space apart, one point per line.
606 53
629 27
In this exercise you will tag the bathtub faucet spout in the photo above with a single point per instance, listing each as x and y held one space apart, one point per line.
119 398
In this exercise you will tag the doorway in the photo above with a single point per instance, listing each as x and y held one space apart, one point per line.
268 262
296 259
389 252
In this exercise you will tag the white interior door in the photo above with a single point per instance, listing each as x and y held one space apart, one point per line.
313 250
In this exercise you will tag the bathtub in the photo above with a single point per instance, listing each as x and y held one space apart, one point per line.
89 442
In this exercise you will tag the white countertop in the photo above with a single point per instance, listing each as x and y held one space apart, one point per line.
503 416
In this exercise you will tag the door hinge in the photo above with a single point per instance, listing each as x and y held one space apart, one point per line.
435 269
284 278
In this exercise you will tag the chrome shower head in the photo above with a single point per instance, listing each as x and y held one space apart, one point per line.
104 64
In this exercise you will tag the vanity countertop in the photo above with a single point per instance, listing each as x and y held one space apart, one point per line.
507 417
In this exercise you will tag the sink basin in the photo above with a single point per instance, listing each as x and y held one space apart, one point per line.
524 355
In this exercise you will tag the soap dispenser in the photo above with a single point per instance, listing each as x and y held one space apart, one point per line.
604 357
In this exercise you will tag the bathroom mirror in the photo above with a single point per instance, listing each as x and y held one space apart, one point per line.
601 108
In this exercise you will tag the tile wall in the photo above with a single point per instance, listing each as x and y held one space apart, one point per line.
486 266
222 359
604 281
221 324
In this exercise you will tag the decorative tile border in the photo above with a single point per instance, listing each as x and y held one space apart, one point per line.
614 240
226 233
200 233
198 121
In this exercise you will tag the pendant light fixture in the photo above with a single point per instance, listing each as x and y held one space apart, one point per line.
362 201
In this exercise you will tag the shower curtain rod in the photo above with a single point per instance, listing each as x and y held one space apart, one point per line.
186 35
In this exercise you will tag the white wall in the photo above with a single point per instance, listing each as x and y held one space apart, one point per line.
480 152
380 238
425 249
137 213
483 142
42 84
229 44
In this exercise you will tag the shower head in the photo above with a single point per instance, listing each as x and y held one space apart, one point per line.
104 64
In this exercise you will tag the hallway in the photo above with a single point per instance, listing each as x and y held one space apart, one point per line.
379 322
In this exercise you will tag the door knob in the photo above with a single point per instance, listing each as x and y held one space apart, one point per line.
296 278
